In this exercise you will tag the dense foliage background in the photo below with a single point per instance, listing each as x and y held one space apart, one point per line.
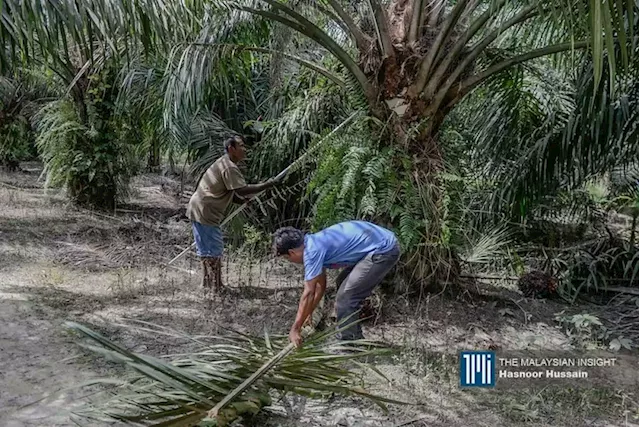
489 135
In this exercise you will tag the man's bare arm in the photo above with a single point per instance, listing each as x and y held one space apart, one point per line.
250 189
320 289
305 308
239 199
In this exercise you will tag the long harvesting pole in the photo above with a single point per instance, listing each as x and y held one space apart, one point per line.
278 177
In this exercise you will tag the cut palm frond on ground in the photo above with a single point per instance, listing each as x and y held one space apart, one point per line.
180 390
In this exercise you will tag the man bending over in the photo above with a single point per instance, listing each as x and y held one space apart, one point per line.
367 250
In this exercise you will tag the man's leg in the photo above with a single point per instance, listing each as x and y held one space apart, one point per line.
365 276
217 268
209 247
207 278
339 281
343 276
211 278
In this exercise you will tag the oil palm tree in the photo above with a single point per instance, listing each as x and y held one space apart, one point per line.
409 63
82 43
412 62
538 131
22 92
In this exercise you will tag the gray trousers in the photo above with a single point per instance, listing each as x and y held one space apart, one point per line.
358 284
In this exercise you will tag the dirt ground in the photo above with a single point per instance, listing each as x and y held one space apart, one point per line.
58 263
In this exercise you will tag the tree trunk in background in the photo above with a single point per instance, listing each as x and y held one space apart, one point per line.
96 186
432 264
153 163
78 93
393 67
172 166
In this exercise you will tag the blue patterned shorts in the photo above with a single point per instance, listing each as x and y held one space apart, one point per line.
208 239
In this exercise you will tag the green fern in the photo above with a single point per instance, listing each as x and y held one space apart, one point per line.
60 133
355 178
356 97
352 164
377 166
408 227
369 202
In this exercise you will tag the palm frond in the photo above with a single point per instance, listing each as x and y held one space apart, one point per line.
488 246
286 137
624 179
68 34
172 390
202 135
545 136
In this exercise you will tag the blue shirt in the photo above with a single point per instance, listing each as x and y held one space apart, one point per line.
343 245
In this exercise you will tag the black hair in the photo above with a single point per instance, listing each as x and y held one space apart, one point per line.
287 238
231 142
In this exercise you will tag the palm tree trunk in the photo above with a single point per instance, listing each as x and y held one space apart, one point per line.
154 154
432 263
78 95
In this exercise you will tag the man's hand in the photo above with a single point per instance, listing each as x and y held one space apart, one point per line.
308 322
272 182
295 337
251 190
311 295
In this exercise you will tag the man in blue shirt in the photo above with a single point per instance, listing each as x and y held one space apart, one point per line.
367 250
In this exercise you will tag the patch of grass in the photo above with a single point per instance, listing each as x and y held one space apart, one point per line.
565 406
126 286
431 366
587 331
521 411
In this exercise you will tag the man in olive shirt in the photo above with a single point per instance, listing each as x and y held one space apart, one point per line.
221 184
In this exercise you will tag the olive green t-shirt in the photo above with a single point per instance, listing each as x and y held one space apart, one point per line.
215 192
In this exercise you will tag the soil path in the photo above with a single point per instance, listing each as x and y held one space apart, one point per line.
38 360
59 263
38 365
